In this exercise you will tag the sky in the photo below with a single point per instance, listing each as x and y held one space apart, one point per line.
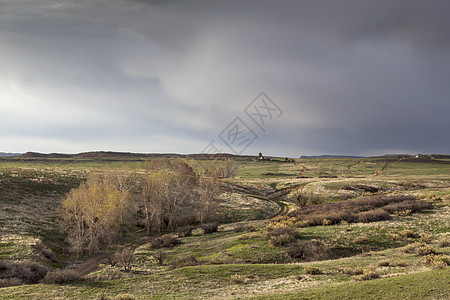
286 78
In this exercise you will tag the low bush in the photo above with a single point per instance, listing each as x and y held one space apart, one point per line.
185 231
400 263
242 228
412 248
408 205
420 249
308 250
444 242
10 282
49 254
312 270
424 250
307 198
384 263
160 255
185 261
408 234
437 261
61 276
239 228
351 271
210 228
361 239
239 279
369 274
167 240
426 238
4 265
282 236
27 272
373 216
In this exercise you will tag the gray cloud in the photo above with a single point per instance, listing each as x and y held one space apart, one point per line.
353 77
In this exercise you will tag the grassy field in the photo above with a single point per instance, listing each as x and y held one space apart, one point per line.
405 256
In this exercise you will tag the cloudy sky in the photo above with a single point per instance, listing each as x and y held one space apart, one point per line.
348 77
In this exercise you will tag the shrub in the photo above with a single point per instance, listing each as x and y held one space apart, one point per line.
400 263
373 216
426 238
437 261
210 228
394 236
160 255
124 258
48 254
250 228
4 265
408 205
167 240
185 262
239 279
351 271
361 239
282 240
10 282
326 222
242 228
384 263
282 236
444 242
309 251
185 231
61 276
402 213
412 248
408 233
369 274
308 198
312 270
27 272
418 248
108 274
424 250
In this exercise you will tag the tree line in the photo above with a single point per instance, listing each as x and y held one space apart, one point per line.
168 195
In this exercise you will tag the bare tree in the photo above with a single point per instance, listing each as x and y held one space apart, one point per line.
94 213
168 194
124 258
206 202
154 193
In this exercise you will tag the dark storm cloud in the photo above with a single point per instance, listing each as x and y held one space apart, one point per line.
353 77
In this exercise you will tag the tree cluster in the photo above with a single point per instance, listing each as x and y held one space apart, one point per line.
171 194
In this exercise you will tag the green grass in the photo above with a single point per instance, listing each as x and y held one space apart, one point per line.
426 285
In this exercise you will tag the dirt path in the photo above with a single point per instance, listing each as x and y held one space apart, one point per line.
90 265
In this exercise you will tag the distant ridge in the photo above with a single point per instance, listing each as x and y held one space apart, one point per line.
119 155
5 154
331 156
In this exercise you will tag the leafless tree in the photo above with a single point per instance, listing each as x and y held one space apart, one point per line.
94 213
